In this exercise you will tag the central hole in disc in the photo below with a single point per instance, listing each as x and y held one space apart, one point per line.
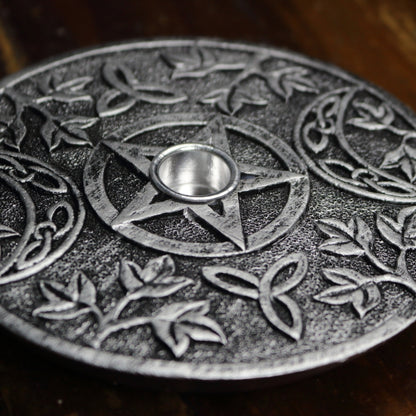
196 171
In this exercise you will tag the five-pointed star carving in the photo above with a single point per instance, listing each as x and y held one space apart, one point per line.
228 223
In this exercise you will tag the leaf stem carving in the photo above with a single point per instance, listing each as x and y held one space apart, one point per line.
394 278
377 262
118 326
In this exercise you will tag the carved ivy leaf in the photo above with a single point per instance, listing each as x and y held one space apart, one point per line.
73 135
71 131
128 90
16 130
403 157
370 298
155 280
178 323
7 232
129 275
165 286
62 311
158 268
48 133
54 291
343 276
392 159
80 122
350 287
237 282
61 304
109 104
345 239
85 289
283 82
407 218
400 233
218 98
372 117
408 167
197 63
363 234
273 290
75 84
231 100
66 91
390 230
67 302
158 94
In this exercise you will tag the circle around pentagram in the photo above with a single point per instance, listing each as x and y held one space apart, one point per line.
292 211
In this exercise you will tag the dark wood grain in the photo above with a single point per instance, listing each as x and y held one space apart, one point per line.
375 39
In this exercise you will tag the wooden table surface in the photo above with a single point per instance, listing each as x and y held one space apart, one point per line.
375 39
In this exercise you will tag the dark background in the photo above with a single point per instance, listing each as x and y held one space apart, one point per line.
375 39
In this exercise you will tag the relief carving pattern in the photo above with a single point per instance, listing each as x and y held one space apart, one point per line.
56 129
231 98
270 289
46 235
364 292
321 128
321 139
175 324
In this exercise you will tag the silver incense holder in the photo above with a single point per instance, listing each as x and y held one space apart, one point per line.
216 214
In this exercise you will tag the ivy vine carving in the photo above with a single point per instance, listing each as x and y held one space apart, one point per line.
56 129
231 98
174 324
382 118
355 238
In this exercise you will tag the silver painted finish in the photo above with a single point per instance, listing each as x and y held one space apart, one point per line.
125 144
298 252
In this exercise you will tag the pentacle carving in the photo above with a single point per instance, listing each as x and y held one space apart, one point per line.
220 228
41 214
329 136
175 324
